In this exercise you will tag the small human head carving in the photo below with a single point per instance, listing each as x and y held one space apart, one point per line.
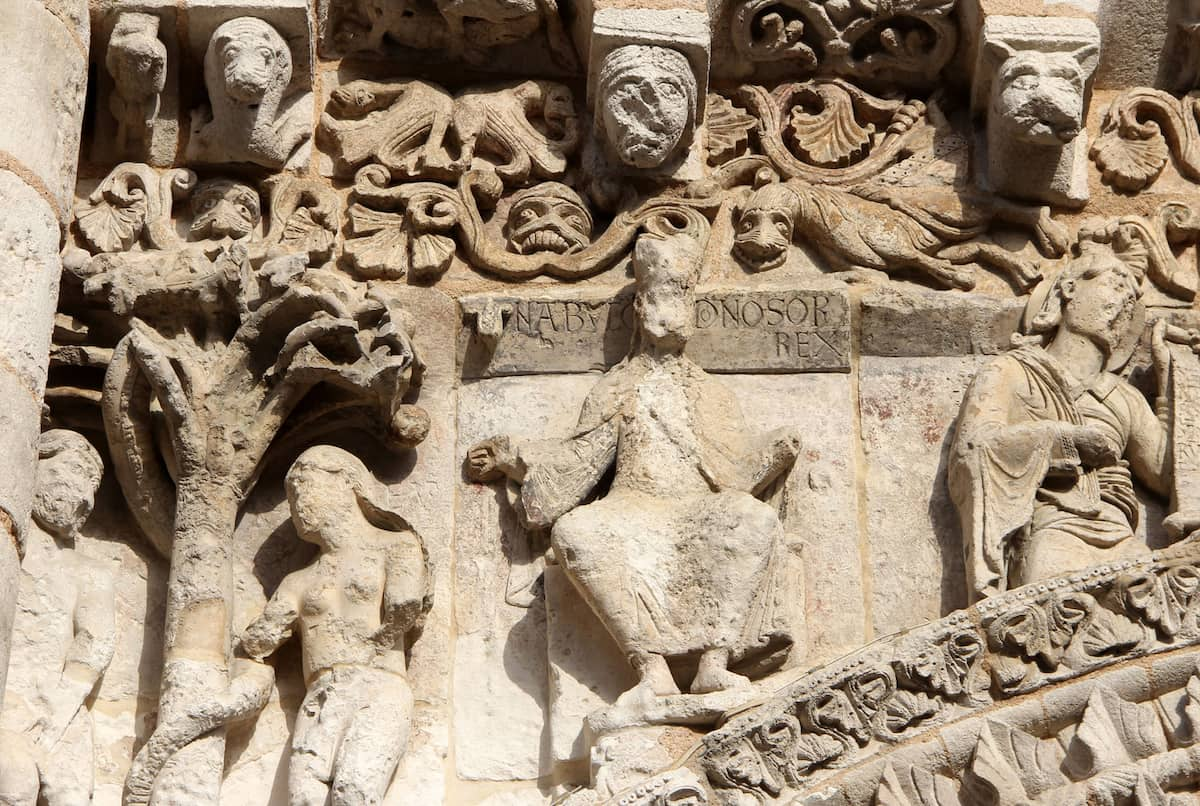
222 208
666 269
648 103
1042 94
246 61
549 217
327 488
68 475
763 227
1097 295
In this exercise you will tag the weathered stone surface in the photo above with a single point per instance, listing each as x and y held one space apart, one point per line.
620 373
46 65
793 329
908 408
1033 85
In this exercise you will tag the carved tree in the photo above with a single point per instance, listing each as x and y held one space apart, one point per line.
217 358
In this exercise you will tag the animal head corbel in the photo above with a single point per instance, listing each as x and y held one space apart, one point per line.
1041 94
764 223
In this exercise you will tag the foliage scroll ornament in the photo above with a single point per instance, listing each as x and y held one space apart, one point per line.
417 227
906 41
1142 129
828 131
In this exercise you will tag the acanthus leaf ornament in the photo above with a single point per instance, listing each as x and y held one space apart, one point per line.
1142 129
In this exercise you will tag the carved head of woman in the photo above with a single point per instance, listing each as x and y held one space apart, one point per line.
1097 296
331 493
648 103
246 59
68 474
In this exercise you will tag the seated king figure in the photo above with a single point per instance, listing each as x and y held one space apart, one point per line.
678 558
1050 439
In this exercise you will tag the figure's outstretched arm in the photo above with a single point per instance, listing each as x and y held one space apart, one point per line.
771 455
271 629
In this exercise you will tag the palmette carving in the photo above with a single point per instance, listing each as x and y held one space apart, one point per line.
66 619
353 725
133 204
829 131
1142 129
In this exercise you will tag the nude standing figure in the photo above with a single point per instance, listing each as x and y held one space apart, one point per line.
355 607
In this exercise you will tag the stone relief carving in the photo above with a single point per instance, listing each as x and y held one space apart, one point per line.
850 711
872 231
644 554
531 127
1121 751
905 42
353 607
1032 85
250 116
225 328
418 226
217 318
467 29
648 107
137 62
1142 129
66 633
1050 439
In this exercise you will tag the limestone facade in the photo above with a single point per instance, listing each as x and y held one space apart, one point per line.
595 403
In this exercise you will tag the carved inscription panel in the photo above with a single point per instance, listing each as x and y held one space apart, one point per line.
780 330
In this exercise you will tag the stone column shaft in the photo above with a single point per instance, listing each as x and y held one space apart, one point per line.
43 75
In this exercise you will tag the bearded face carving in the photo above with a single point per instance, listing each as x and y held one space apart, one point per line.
549 217
224 209
763 227
649 103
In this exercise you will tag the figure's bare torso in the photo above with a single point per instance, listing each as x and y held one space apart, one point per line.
340 609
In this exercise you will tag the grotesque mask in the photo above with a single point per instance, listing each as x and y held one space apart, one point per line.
763 227
222 208
649 103
549 217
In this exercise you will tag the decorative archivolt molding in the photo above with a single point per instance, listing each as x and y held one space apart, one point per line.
903 687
